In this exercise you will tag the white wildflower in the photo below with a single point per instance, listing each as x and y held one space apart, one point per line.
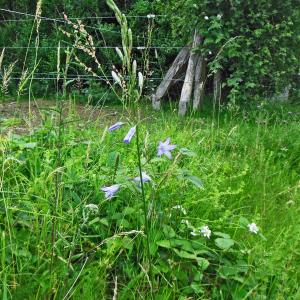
180 207
290 202
205 231
194 233
253 228
186 222
219 16
92 207
206 17
151 16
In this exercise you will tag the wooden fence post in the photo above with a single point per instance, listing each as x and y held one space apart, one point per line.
170 78
200 79
187 88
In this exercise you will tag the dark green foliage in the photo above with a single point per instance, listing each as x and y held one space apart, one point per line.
255 43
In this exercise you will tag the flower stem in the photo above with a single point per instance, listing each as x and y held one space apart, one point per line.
145 203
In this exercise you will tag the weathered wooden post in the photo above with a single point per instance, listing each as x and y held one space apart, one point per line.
200 79
187 88
177 68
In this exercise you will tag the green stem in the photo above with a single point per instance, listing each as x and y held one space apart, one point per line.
144 203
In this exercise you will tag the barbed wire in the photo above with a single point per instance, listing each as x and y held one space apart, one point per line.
109 78
31 18
86 77
63 21
55 20
96 47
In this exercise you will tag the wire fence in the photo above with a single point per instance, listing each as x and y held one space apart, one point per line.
32 17
63 21
52 76
96 47
90 77
148 16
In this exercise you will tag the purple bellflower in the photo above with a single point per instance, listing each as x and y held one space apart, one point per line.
110 190
115 126
145 178
129 135
165 148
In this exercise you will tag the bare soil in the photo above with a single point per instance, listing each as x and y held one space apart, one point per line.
21 118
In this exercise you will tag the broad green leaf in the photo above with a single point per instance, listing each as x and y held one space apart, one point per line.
224 244
104 221
223 235
128 211
168 231
184 244
185 174
203 263
195 180
96 220
187 152
243 221
185 254
164 244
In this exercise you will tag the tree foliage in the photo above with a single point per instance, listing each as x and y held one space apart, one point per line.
255 43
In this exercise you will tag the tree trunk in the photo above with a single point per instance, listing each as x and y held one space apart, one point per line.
187 88
200 78
170 78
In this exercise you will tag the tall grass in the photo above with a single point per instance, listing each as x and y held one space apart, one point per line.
249 169
182 234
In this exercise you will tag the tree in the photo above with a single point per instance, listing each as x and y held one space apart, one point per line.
255 44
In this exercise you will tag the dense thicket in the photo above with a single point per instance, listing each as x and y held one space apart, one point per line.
254 43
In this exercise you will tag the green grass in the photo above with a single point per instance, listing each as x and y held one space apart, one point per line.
241 167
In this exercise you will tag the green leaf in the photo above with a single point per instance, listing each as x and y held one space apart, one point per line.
224 244
96 220
128 211
185 254
196 181
123 223
187 152
243 221
185 174
127 243
168 231
164 244
203 263
223 235
184 244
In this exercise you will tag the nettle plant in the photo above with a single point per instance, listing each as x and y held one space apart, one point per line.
181 249
254 43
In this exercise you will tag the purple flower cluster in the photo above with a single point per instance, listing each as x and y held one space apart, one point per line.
115 126
110 190
128 136
164 148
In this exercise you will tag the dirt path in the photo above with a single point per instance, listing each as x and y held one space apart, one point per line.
20 118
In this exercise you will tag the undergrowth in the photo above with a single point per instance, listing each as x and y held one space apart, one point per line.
225 174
